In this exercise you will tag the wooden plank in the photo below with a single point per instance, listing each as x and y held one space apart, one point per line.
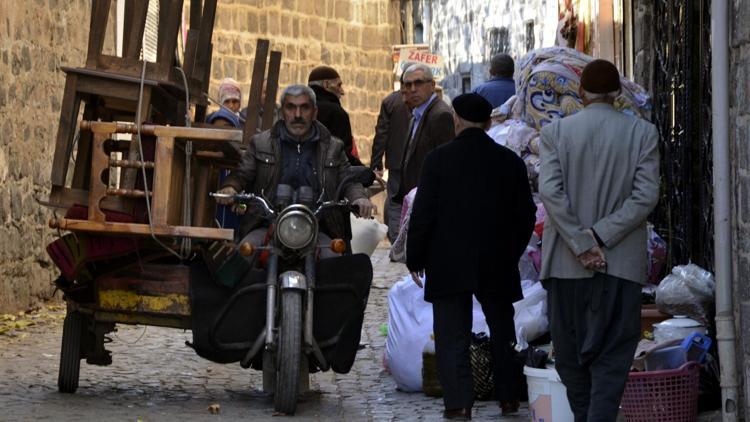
97 188
82 169
97 31
201 70
190 52
202 134
170 14
65 131
196 12
163 158
177 321
64 198
129 175
256 86
272 85
157 289
175 200
135 24
140 229
203 205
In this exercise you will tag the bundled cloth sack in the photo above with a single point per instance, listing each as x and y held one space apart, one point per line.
547 82
366 234
409 330
410 327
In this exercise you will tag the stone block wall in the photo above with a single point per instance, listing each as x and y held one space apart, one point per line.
36 38
353 36
739 135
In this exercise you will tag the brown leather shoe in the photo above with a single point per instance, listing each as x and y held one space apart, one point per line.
509 407
457 414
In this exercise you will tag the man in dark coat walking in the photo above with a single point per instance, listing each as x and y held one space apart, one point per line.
390 136
471 221
329 89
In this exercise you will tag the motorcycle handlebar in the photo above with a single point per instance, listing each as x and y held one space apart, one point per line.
245 198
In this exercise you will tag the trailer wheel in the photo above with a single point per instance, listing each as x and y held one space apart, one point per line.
290 353
70 352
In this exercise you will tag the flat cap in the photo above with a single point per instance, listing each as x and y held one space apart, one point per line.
600 77
472 107
322 73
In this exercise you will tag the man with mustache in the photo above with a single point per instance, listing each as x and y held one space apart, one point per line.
297 151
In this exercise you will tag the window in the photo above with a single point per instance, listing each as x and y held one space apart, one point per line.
530 41
499 41
418 34
465 84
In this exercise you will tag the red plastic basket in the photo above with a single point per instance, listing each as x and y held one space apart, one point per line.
664 396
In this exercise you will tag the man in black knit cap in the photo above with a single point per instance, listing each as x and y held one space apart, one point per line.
329 89
471 221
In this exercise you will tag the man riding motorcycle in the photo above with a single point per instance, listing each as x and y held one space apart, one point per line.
297 151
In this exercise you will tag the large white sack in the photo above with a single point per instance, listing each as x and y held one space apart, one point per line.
409 329
366 234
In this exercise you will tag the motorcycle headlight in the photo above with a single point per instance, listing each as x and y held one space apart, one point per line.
296 229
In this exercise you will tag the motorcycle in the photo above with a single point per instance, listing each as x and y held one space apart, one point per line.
304 330
275 307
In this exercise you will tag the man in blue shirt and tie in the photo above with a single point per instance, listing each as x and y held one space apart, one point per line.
500 87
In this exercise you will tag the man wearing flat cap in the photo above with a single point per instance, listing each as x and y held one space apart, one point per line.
599 180
329 89
470 223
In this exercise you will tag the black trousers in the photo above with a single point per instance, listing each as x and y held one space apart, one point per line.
452 320
595 327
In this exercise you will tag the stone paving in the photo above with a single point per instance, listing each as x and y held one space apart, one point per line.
155 377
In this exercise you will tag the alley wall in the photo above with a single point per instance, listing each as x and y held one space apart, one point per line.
39 36
36 38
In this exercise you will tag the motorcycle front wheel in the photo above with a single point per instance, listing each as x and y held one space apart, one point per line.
289 352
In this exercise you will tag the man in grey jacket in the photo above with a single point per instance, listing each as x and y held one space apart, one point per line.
599 181
297 151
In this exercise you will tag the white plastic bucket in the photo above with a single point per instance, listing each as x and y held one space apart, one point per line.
547 399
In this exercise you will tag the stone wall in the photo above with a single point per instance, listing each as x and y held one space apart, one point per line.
353 36
739 132
39 36
462 33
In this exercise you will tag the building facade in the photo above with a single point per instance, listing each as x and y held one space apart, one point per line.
468 33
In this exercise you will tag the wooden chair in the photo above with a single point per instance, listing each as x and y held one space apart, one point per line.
211 148
110 86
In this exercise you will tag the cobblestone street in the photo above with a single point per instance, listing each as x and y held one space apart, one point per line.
156 377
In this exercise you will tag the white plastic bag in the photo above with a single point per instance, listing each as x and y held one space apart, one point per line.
531 314
409 329
366 234
689 291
